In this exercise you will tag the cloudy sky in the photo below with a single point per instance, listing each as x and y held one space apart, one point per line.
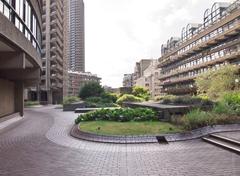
121 32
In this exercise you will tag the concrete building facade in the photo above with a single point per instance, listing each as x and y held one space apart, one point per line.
128 80
139 69
76 61
20 52
53 60
77 80
201 47
150 78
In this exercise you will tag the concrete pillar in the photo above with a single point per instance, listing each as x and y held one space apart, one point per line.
19 98
49 97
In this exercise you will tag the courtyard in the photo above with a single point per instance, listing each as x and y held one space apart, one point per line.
40 144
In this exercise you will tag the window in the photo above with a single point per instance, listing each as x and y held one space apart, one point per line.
19 10
1 6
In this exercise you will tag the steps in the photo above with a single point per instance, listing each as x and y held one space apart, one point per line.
224 142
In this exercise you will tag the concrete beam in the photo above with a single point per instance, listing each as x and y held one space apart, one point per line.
21 74
12 60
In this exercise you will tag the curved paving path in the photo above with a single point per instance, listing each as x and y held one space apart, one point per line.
41 145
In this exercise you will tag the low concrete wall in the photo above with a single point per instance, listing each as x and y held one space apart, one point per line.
6 98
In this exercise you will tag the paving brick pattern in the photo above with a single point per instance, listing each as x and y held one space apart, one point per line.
41 146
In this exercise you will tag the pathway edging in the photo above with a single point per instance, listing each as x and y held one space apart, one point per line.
117 139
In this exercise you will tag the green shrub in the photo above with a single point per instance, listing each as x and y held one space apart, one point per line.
141 92
229 104
185 100
232 98
111 97
120 115
214 83
71 99
129 98
197 119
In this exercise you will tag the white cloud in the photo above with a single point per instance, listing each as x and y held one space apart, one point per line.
121 32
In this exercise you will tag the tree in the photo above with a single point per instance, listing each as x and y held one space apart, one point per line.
141 92
91 89
216 83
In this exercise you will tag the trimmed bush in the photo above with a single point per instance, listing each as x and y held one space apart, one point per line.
119 115
129 98
70 100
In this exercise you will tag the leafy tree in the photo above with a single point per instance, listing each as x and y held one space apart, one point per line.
141 92
92 89
214 84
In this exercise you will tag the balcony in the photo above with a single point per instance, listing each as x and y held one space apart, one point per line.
227 57
234 30
180 90
177 80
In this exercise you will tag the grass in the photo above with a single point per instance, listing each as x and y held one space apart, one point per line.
128 128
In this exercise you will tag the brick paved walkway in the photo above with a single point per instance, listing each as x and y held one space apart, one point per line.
41 146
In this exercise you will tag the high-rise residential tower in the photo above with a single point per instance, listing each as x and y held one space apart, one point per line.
54 62
76 61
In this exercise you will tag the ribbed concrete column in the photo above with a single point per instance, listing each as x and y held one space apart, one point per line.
19 98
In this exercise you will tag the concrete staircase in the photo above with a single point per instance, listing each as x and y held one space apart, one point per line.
223 142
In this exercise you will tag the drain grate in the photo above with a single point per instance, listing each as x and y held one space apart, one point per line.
161 140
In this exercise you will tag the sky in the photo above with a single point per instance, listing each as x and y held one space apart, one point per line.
118 33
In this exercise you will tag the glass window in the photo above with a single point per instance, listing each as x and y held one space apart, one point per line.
6 12
1 6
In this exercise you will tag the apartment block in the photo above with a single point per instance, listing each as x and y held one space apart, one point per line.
20 52
77 80
201 47
128 80
150 78
53 60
